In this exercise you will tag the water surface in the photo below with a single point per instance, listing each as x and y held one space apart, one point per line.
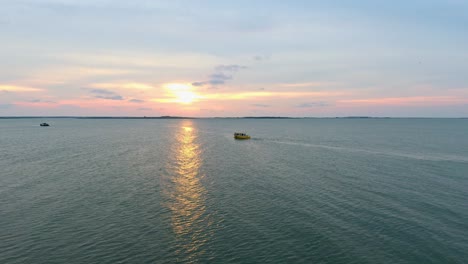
300 191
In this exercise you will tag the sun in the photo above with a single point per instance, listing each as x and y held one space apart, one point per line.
182 93
186 97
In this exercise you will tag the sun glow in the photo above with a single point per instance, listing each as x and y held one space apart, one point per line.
182 93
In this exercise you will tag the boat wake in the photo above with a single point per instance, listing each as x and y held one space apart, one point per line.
437 157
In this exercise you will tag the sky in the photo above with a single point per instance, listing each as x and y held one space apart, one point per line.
234 58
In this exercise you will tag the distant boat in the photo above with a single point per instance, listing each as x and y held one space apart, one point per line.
44 124
241 136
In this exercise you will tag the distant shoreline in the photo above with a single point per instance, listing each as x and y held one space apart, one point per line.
244 117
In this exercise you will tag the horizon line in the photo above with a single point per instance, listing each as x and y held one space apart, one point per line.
232 117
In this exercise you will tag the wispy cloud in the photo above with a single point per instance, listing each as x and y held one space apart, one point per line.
110 97
101 91
219 78
37 103
246 95
313 104
308 84
41 101
261 105
125 85
279 95
229 68
18 89
137 60
106 94
199 83
221 74
414 100
136 101
260 57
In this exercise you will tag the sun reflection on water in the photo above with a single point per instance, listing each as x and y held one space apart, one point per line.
187 195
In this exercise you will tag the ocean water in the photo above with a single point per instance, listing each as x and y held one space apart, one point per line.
184 191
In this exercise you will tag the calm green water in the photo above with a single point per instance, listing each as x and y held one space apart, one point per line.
301 191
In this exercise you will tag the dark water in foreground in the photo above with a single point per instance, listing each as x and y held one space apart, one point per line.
301 191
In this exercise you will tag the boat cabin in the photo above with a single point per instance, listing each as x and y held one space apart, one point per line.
238 135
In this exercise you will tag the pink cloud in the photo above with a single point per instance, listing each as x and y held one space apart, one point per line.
415 100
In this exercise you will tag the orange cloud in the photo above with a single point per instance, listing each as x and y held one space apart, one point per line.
19 89
254 95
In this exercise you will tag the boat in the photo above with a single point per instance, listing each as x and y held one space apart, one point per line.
241 136
44 124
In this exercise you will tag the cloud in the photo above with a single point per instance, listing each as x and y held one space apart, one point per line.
128 86
313 104
136 101
255 95
309 84
219 78
101 91
106 94
230 68
14 88
415 100
222 73
109 97
144 109
261 105
260 94
40 101
260 58
198 83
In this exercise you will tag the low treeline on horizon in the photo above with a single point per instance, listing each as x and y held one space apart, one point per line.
242 117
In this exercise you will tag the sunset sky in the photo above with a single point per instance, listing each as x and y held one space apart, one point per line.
234 58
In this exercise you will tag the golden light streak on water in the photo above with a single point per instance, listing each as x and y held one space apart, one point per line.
187 195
